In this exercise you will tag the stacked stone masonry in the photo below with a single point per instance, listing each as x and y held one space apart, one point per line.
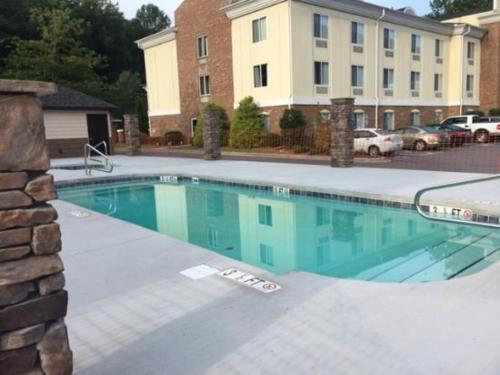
211 134
33 302
132 134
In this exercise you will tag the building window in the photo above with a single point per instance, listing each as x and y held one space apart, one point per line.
320 26
259 30
416 41
322 216
438 48
265 215
321 73
438 115
260 75
204 85
359 119
357 72
471 47
325 115
202 47
415 81
357 33
415 118
388 120
194 122
438 82
266 254
389 38
388 79
469 86
267 120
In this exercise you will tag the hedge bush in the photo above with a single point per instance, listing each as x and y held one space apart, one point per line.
475 112
495 112
224 126
292 125
247 128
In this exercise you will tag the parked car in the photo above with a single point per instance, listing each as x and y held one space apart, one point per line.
376 142
457 136
482 128
422 138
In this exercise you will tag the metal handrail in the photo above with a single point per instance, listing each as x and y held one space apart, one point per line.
422 213
106 165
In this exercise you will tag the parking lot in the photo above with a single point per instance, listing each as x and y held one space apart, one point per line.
475 158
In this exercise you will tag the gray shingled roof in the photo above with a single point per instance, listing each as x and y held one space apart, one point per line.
66 98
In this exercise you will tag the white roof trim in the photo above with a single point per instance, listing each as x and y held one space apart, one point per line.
160 37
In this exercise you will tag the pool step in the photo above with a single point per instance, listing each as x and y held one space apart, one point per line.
457 263
445 259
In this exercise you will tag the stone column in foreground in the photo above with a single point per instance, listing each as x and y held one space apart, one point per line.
33 302
211 134
132 134
342 133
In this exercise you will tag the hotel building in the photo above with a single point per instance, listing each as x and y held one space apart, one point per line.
400 68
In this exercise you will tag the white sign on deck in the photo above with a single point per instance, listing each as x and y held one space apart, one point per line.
199 272
451 213
250 280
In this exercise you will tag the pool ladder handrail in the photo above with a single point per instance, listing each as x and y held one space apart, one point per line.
420 210
106 164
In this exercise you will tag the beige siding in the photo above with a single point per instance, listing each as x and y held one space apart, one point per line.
162 79
65 124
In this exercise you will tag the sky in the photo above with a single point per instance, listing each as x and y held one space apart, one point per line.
129 7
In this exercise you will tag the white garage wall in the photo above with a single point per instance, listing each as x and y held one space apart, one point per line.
65 124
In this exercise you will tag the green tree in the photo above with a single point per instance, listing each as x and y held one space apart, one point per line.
440 8
152 18
58 55
223 126
247 127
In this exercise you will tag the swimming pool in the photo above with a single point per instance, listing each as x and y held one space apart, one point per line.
283 232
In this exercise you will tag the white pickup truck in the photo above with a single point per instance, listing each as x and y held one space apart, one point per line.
482 128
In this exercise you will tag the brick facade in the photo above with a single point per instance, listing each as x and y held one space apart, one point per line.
195 18
490 68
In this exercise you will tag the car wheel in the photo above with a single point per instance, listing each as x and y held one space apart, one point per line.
374 151
482 136
420 145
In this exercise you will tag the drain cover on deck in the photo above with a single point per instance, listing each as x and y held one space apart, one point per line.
199 272
249 280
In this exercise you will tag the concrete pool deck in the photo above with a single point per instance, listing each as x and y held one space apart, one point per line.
131 312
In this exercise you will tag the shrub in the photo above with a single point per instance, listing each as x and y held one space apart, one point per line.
173 138
474 112
495 112
271 140
292 124
224 126
247 126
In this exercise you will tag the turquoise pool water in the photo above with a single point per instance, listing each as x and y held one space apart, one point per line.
281 234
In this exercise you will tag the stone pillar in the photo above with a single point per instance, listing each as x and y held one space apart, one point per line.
342 133
33 302
132 134
211 134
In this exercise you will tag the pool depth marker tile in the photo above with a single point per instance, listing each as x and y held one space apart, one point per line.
249 280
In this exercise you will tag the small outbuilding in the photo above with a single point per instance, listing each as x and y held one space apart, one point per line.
73 119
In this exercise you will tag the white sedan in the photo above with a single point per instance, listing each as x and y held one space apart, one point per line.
375 142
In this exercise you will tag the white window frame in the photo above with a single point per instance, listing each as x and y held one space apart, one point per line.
438 81
391 126
322 27
469 83
471 50
391 39
438 115
358 35
266 119
259 29
204 85
258 76
202 49
324 76
359 68
414 82
417 48
389 83
413 113
438 48
359 115
325 115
